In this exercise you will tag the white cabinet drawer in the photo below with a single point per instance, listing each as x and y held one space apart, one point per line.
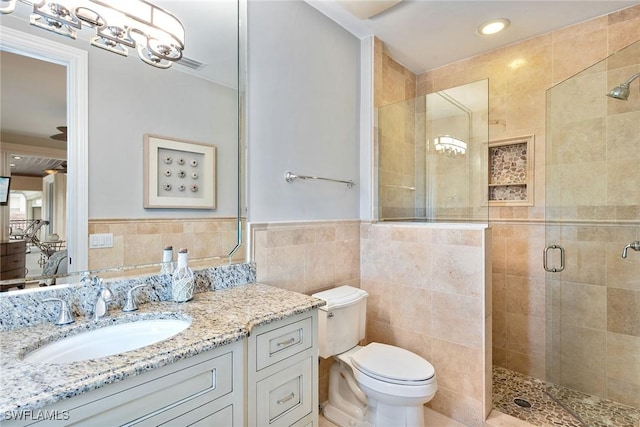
285 341
286 396
307 421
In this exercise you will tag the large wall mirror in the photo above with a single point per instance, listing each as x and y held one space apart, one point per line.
73 122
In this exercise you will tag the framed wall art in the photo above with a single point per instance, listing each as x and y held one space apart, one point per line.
179 173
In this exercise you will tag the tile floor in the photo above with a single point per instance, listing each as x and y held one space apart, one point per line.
434 419
546 411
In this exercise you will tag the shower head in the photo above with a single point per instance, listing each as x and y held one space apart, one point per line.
622 91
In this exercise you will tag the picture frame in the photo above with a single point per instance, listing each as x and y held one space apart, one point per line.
178 173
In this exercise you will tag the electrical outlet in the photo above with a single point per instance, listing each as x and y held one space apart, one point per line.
103 240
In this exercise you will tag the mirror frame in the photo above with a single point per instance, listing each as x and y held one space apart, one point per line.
77 65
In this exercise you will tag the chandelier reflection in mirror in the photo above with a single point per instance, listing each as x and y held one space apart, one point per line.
156 34
448 144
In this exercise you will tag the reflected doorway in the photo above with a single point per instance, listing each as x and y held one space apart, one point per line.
34 137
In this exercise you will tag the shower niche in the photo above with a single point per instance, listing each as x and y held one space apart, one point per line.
510 170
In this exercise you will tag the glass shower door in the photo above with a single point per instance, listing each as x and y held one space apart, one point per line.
592 212
431 151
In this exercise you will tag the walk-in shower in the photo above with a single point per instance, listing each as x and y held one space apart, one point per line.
592 214
622 91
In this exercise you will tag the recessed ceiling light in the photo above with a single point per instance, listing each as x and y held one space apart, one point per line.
493 26
16 157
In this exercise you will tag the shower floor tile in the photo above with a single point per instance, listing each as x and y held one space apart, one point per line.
545 411
594 411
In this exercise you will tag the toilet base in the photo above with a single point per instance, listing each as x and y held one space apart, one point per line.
340 418
349 406
381 414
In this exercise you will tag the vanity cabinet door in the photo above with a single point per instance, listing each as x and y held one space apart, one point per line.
205 389
282 373
286 396
204 416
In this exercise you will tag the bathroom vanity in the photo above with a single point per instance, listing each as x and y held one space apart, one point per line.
249 357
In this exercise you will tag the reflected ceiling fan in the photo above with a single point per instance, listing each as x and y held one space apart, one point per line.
62 136
61 168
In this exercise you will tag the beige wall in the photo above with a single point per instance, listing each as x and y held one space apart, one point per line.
427 289
519 77
396 135
140 241
26 183
430 292
307 257
424 308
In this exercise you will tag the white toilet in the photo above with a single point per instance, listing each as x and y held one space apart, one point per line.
377 385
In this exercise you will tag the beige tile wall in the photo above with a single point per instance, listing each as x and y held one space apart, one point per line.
429 291
395 88
140 241
519 77
307 257
392 82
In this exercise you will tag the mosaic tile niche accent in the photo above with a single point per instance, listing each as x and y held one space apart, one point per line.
509 171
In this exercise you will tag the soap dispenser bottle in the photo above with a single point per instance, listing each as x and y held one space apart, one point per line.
167 260
182 282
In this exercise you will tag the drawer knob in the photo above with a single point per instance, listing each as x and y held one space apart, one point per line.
286 398
286 342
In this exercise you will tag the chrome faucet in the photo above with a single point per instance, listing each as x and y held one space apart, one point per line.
633 245
130 303
66 316
101 307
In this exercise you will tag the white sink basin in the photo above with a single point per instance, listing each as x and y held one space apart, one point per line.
107 341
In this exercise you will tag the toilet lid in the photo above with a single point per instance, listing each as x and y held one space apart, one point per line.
392 364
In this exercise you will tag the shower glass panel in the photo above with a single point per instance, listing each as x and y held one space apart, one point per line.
592 213
432 157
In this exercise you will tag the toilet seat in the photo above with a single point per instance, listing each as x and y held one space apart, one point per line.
393 365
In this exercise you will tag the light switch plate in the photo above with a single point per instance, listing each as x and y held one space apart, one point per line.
103 240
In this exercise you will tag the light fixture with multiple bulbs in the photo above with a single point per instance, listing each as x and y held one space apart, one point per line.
494 26
448 144
157 35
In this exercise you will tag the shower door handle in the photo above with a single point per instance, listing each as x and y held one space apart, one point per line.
546 254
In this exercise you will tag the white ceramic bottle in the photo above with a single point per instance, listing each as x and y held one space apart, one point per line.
167 260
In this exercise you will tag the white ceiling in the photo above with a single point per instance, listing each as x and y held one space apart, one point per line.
425 34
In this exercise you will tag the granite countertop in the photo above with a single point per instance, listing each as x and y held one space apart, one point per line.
217 318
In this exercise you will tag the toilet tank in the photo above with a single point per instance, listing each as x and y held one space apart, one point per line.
341 322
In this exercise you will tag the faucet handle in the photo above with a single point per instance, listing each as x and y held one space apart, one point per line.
633 245
66 316
86 278
130 303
